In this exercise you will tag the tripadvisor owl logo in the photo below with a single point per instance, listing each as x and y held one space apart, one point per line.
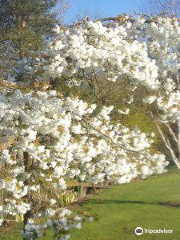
138 231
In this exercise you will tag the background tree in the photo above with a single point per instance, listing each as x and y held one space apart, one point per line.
165 7
24 25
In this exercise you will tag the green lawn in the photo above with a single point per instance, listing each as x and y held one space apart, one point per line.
121 209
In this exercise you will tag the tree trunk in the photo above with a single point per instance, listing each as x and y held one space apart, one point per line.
28 167
168 143
178 138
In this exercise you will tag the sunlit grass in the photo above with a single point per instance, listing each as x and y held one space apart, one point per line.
121 209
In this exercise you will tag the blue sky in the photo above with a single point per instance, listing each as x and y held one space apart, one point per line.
101 8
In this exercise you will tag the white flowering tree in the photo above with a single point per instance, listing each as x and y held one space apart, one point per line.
57 140
143 50
168 98
85 51
162 37
53 142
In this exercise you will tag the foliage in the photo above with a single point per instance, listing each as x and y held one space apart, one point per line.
24 25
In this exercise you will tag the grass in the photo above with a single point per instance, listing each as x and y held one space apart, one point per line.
121 209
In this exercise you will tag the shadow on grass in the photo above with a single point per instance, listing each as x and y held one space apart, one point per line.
111 201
